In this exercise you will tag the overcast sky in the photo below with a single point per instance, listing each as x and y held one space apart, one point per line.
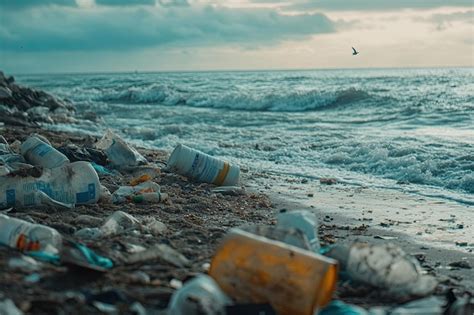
161 35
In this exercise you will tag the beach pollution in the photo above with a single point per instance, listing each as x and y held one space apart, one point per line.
95 224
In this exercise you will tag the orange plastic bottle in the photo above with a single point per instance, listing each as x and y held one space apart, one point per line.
255 269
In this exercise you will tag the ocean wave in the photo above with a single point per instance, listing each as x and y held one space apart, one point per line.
295 101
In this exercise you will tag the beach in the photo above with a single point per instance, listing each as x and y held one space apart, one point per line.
434 227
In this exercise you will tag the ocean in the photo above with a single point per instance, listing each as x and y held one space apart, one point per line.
403 129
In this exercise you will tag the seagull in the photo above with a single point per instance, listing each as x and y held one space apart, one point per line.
354 51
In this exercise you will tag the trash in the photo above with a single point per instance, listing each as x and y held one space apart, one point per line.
33 278
463 305
80 255
147 192
255 269
89 233
160 252
85 219
341 308
432 305
203 167
385 266
38 152
7 307
176 284
229 190
26 236
24 263
200 295
328 181
119 153
74 183
155 227
105 195
105 308
141 179
303 220
75 153
44 199
101 169
139 277
118 222
461 264
290 236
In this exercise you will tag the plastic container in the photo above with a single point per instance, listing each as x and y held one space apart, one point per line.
38 152
73 183
255 269
203 167
304 221
26 236
200 295
120 154
128 193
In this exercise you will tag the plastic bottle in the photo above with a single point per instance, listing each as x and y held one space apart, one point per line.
200 295
154 197
203 167
120 154
304 221
38 152
255 269
26 236
72 183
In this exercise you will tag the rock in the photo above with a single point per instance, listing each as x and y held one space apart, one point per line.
156 227
461 264
5 92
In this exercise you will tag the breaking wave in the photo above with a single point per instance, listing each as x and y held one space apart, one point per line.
296 101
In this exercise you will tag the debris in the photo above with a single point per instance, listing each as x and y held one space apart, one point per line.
263 278
461 264
147 192
203 167
74 183
328 181
229 190
139 277
201 295
26 236
159 252
120 154
304 221
80 255
38 152
382 237
340 308
431 305
118 222
24 263
75 153
155 227
385 266
7 307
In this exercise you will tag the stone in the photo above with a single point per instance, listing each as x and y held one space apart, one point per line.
5 92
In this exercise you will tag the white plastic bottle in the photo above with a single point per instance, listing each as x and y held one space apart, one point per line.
38 152
203 167
26 236
72 183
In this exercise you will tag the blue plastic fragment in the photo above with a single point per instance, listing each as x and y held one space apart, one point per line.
93 258
341 308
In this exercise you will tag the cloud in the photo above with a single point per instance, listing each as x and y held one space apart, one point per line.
444 21
368 5
22 4
129 28
125 2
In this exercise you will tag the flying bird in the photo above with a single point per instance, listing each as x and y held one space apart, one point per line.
354 51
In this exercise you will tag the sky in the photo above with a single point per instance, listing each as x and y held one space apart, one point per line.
50 36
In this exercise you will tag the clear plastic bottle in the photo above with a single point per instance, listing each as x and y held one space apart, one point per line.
303 220
26 236
255 269
38 152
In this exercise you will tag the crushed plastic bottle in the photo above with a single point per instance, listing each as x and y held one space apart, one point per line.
118 222
304 221
72 183
385 266
120 154
146 192
26 236
38 152
254 269
200 295
203 167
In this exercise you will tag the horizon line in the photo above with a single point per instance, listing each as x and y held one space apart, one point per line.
232 70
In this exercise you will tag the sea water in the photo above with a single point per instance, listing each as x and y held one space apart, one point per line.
404 129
